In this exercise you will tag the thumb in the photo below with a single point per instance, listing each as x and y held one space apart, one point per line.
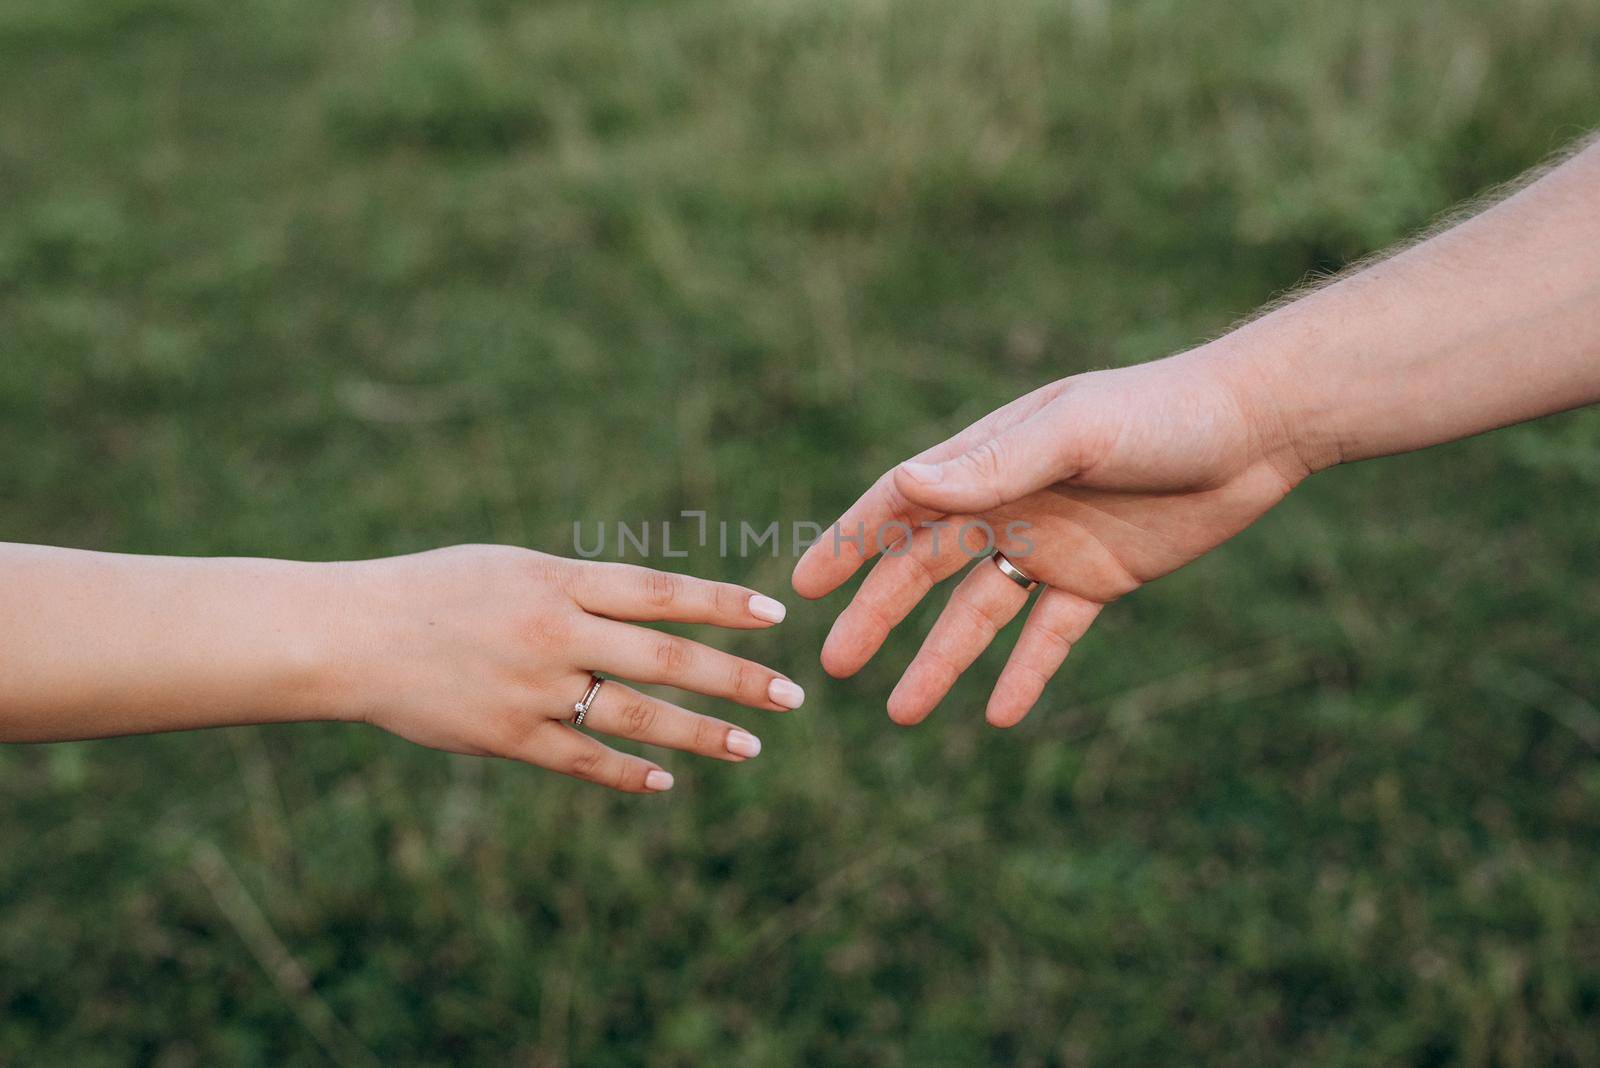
1014 463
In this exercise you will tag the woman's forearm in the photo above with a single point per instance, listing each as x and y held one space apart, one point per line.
1489 323
95 644
478 649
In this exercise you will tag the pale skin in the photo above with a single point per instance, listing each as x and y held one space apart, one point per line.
475 649
1125 475
1121 476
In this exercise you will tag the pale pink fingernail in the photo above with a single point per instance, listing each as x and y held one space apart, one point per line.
785 693
740 743
763 607
658 780
923 472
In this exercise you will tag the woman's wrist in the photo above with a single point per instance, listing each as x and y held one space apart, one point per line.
254 640
278 640
329 618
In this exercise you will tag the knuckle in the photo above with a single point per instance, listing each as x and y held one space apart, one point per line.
979 619
513 564
987 460
541 566
729 601
708 735
624 775
1055 641
921 573
673 655
747 679
880 619
638 715
1037 677
941 663
586 765
565 577
661 588
896 505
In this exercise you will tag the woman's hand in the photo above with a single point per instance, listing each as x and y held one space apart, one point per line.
485 649
1107 480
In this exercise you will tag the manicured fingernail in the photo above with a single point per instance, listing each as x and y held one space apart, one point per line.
923 472
658 780
785 693
741 744
763 607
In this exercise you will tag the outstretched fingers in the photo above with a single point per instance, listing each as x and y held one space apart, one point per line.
650 656
896 584
623 712
869 524
642 594
1056 623
558 747
881 518
984 602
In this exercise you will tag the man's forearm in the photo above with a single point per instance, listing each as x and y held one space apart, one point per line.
1491 322
96 644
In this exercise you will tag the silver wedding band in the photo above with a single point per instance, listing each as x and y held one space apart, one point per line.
1009 570
581 709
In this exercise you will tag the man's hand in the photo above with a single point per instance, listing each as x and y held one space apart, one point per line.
1124 476
1092 485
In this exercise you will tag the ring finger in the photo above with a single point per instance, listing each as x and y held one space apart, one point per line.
623 712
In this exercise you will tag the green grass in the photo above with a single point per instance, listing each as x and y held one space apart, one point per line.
328 281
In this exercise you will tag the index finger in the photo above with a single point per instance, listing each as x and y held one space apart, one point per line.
637 594
883 515
879 519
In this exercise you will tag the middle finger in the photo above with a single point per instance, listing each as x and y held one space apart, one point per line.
895 585
984 602
646 655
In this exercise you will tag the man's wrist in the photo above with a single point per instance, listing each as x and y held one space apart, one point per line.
1273 367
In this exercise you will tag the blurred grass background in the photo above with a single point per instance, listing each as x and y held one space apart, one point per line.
340 280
